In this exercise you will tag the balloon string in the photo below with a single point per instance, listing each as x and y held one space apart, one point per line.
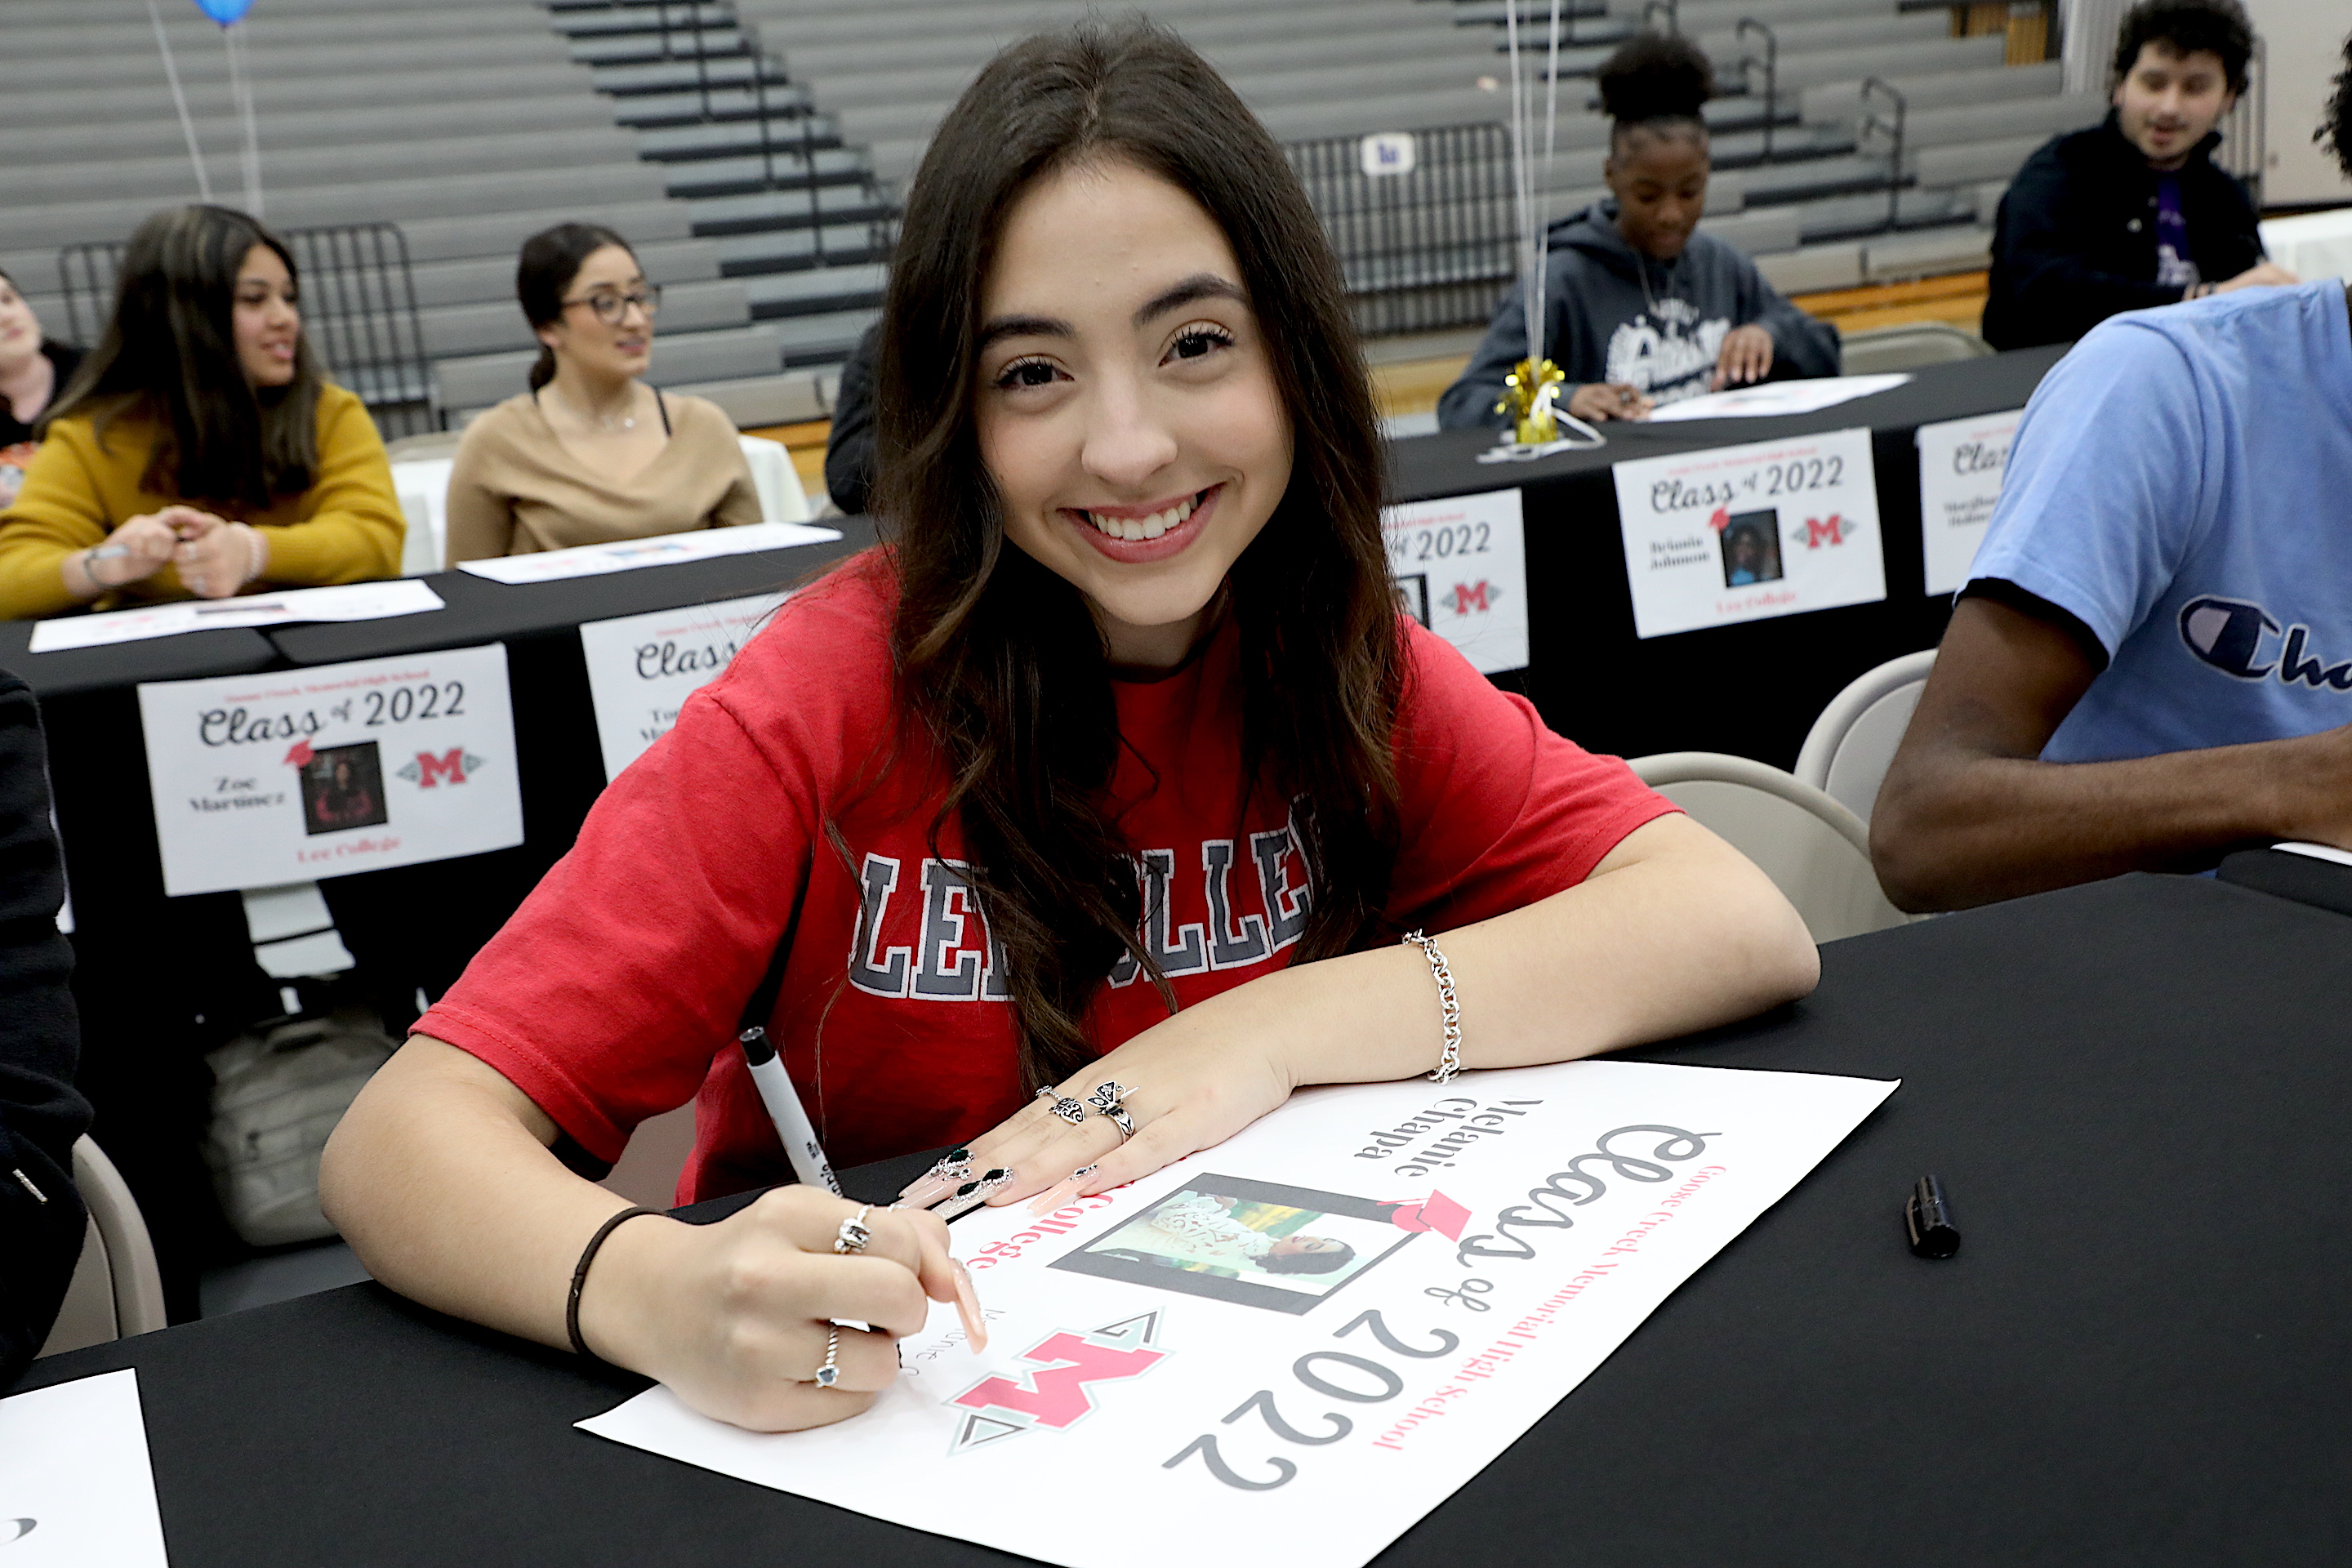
241 86
1551 126
180 100
1519 174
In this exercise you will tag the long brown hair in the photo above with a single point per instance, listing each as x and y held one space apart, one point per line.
169 348
1000 660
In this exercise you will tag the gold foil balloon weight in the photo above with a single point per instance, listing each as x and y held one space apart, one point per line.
1530 392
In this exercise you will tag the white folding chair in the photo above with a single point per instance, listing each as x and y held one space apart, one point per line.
782 498
116 1288
423 485
1850 747
1815 850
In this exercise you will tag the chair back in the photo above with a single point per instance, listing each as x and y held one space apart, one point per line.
117 1289
1815 850
781 497
1905 347
1850 747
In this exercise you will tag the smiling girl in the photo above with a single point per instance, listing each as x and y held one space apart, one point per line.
198 450
1639 307
1115 773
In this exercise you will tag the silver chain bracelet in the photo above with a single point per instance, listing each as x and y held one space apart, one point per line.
1449 1060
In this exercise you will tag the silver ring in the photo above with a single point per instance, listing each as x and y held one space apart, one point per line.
853 1235
829 1373
1070 1110
1106 1100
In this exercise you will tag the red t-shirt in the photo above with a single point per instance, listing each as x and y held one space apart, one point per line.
613 994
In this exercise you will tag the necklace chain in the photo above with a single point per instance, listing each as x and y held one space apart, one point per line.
609 422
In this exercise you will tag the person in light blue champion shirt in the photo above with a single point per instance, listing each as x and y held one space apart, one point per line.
2152 662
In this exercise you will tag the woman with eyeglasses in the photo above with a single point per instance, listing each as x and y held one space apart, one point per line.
591 453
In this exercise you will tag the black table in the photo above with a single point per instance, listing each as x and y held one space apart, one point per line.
2133 1090
1751 690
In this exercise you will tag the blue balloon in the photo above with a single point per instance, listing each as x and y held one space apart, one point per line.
226 12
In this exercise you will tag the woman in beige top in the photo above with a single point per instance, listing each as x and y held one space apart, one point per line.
591 453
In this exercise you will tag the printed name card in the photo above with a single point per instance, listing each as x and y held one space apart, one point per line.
1301 1341
1960 465
642 669
1746 534
287 776
1461 569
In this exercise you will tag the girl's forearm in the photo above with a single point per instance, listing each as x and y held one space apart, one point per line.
1675 932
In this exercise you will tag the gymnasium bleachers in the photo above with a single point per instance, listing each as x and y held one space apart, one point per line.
754 150
467 123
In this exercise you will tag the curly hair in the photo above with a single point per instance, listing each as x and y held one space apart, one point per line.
1655 82
2186 27
2334 130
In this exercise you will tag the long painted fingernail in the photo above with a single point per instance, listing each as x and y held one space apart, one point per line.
972 1194
1053 1197
975 1327
935 1183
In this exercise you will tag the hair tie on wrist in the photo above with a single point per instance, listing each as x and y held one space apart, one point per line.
579 1278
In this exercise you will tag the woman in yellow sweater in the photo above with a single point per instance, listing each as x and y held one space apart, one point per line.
199 450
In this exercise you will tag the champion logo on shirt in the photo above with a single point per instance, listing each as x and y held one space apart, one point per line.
2240 638
1254 894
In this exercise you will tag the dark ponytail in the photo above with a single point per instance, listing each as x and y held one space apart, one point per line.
551 261
1657 82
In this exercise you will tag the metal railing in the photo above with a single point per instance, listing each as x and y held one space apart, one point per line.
1873 121
2244 151
1772 62
1424 249
687 39
358 311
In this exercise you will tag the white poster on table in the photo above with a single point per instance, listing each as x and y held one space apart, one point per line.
1746 534
1163 1351
294 774
642 669
76 1487
1461 568
1960 465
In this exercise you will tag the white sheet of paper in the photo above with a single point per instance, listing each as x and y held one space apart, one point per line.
349 602
1535 1218
1960 465
1775 398
1745 533
663 550
294 774
642 669
1461 563
75 1491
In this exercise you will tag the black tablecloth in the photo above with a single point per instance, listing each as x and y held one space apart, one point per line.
2133 1090
1751 690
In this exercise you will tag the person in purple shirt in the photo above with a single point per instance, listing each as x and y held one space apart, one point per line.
2132 213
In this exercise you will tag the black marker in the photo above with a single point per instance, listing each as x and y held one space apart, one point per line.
1928 1217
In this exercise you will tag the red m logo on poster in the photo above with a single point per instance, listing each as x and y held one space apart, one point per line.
1057 1395
1817 532
1466 599
431 770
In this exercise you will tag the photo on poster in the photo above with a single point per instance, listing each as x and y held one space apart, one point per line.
1412 595
1255 1244
342 787
1752 549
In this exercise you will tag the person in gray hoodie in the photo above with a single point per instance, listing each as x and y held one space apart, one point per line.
1640 309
